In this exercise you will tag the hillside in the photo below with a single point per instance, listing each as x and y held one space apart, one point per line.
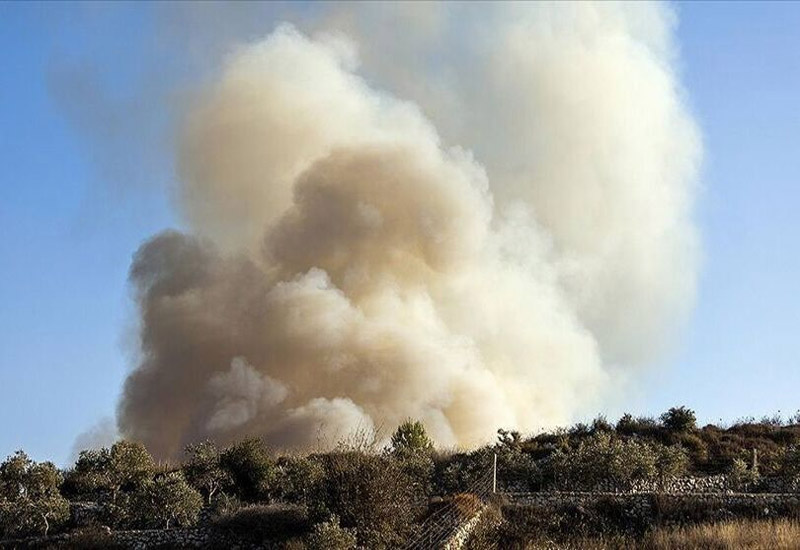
632 477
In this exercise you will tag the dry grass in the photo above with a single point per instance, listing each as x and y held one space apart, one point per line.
750 535
733 535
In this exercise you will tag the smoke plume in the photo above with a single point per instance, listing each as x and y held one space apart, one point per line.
483 220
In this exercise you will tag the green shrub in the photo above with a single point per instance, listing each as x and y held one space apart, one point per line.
251 468
740 476
297 478
601 424
370 493
790 465
671 461
411 437
603 457
679 419
329 535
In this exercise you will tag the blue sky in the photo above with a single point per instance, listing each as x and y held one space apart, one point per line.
69 228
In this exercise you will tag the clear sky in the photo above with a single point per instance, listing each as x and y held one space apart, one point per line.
69 226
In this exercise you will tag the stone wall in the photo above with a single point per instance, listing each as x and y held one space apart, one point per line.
706 484
181 538
460 537
140 540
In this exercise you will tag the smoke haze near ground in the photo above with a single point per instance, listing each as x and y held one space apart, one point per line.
483 220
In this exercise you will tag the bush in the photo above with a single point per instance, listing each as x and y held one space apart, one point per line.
329 535
601 424
740 476
466 505
224 505
370 493
643 425
602 457
526 526
418 469
261 522
251 468
92 538
790 465
679 419
457 472
297 478
671 461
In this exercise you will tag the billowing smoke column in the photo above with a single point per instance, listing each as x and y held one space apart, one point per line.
348 265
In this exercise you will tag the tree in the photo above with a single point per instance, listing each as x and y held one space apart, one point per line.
602 457
370 493
679 419
92 472
131 464
14 475
166 499
125 466
509 440
411 437
740 476
790 465
204 469
251 467
30 501
298 478
601 424
671 461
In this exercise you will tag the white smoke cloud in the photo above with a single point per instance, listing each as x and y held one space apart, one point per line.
242 393
102 434
493 237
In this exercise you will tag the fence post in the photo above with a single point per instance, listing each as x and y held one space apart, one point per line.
755 460
494 475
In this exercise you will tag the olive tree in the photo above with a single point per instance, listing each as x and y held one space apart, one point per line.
167 499
203 469
251 468
30 501
602 457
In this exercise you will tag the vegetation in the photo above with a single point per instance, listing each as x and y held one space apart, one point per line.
725 535
410 438
166 501
30 502
611 524
329 535
362 496
251 467
733 535
204 469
